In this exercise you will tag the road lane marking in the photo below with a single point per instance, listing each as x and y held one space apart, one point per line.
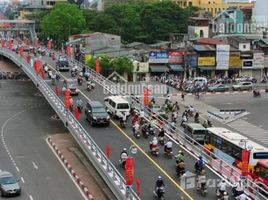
31 198
35 165
67 171
146 155
17 169
22 179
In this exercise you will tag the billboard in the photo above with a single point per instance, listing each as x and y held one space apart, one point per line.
258 60
175 57
222 54
234 60
158 57
206 61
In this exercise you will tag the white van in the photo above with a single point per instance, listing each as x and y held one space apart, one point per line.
200 80
117 104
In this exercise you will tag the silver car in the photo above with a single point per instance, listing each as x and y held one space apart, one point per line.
9 185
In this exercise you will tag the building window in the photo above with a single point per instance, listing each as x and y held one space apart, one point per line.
244 46
201 33
209 2
190 3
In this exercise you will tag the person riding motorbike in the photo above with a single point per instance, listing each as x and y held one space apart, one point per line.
180 167
238 187
136 129
79 104
222 188
179 156
183 120
256 92
175 107
174 116
158 185
79 80
200 164
136 119
154 146
201 180
161 136
168 147
123 119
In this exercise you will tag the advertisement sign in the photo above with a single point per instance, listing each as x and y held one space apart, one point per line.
158 57
129 171
245 158
191 60
234 60
247 63
222 54
206 61
175 57
258 60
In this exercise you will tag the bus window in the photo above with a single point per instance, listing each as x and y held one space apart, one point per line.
260 155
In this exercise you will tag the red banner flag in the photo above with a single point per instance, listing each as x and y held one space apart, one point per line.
10 44
67 95
97 65
76 113
43 74
28 58
146 96
138 186
57 91
21 51
49 44
129 171
245 159
108 151
3 43
68 51
37 66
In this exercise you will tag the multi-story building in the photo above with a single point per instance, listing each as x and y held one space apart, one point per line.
214 6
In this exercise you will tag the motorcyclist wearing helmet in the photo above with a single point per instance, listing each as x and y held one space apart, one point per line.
159 183
124 153
201 179
161 133
200 164
168 146
222 187
179 157
153 143
242 196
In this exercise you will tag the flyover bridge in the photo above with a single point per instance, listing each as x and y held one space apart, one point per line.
112 176
19 25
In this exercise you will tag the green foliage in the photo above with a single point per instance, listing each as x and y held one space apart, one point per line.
119 64
64 20
122 65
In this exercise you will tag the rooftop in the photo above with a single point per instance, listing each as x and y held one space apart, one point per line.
212 41
198 47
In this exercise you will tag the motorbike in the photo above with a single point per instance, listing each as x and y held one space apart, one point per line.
145 130
196 120
256 93
152 131
161 140
80 108
136 131
79 81
159 193
154 150
168 152
180 170
90 86
209 123
123 123
203 189
197 168
73 73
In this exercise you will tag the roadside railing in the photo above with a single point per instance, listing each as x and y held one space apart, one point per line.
93 152
229 172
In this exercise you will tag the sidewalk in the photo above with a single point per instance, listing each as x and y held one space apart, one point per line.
79 167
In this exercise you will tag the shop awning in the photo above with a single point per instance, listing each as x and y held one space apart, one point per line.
158 68
176 68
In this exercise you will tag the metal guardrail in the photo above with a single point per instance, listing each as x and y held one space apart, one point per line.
223 168
102 164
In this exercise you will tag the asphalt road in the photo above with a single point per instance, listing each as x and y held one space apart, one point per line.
147 168
25 124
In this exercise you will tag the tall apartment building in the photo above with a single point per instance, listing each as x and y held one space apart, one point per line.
214 6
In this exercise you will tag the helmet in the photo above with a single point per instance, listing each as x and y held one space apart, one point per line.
223 180
180 152
154 138
159 178
125 149
225 193
200 157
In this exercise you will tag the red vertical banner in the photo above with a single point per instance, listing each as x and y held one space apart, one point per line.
108 151
68 51
10 44
37 66
97 65
146 96
57 91
138 186
21 51
43 74
245 159
76 113
129 171
67 95
3 43
28 58
49 44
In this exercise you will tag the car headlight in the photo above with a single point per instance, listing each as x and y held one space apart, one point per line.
95 118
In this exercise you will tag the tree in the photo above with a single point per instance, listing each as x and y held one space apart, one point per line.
122 65
104 64
64 20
